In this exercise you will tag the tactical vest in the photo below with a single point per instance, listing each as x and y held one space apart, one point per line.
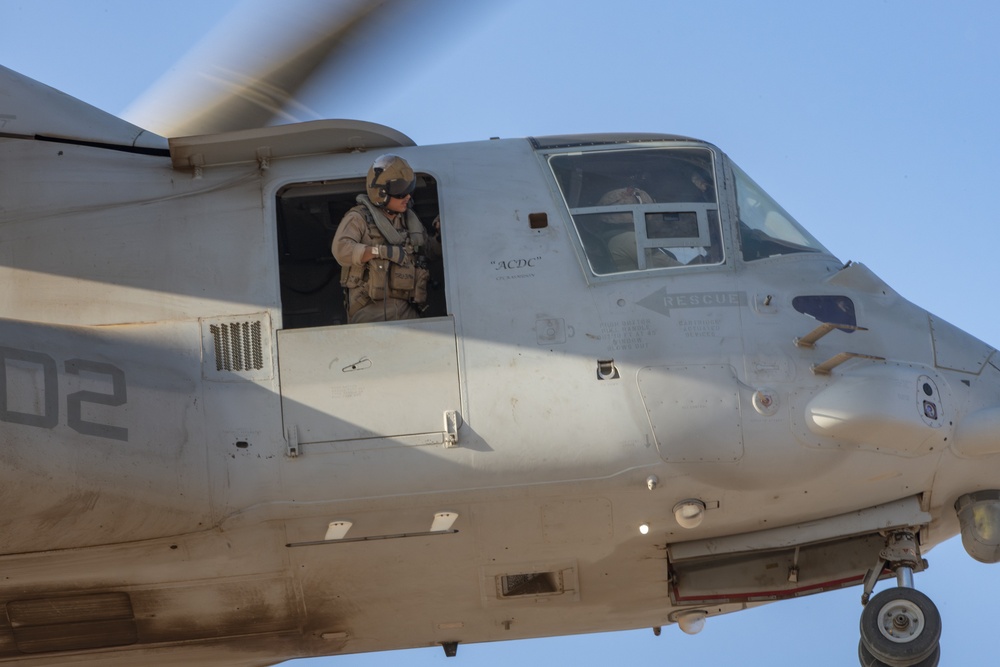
380 278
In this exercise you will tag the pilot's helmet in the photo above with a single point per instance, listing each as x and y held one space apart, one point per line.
622 197
389 176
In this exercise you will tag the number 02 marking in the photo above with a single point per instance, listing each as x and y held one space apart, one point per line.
74 401
48 414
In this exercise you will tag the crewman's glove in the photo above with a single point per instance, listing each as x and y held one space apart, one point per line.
393 253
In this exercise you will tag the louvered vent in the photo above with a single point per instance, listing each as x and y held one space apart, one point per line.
237 346
533 583
555 582
80 623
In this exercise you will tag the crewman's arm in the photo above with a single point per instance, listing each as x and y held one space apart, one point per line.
348 243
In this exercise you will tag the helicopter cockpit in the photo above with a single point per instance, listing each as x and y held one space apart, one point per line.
640 209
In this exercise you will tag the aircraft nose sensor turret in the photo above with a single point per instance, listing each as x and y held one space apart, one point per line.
979 517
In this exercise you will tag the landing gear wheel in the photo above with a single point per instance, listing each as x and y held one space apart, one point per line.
868 660
900 627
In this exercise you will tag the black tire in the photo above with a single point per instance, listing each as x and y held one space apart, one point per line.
868 660
907 643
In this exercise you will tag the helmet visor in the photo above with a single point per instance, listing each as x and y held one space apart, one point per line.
399 187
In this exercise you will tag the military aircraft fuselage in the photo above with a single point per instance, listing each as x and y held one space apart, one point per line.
615 410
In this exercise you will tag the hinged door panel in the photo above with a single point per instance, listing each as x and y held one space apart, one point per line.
373 380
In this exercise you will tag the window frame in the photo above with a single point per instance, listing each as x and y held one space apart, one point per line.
702 211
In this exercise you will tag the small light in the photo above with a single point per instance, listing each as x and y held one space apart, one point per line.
689 513
692 622
644 529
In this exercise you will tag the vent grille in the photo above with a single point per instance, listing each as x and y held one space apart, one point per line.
555 582
532 583
101 620
238 346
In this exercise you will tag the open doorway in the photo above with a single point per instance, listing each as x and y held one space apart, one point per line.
308 216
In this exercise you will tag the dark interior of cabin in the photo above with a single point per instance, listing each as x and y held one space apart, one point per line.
308 216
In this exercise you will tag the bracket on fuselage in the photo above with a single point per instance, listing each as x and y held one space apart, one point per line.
292 442
836 360
451 424
809 340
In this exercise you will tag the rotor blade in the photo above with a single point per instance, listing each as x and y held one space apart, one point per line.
258 65
245 73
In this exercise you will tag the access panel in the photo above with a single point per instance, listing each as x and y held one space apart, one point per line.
375 380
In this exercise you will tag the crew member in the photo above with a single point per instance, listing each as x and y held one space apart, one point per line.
621 238
383 248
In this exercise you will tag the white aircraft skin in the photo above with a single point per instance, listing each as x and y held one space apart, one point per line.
175 453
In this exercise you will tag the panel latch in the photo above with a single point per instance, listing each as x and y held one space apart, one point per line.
451 423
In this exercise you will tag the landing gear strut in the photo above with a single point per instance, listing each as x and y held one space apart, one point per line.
900 627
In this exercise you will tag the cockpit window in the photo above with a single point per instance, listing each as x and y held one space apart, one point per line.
642 209
766 229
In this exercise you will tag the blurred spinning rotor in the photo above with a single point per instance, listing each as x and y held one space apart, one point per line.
258 65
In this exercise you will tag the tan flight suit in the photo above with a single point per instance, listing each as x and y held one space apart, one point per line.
623 253
381 290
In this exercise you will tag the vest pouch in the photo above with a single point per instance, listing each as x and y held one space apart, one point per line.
377 280
402 278
423 277
352 276
356 300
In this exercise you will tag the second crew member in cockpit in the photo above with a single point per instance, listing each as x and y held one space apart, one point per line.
621 232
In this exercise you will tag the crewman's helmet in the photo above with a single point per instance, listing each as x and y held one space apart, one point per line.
389 176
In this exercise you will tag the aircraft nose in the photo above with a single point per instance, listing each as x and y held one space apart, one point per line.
976 440
977 429
978 433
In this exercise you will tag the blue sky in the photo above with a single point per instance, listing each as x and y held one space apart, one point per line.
873 122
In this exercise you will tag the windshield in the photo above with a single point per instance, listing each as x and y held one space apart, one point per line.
642 209
766 229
